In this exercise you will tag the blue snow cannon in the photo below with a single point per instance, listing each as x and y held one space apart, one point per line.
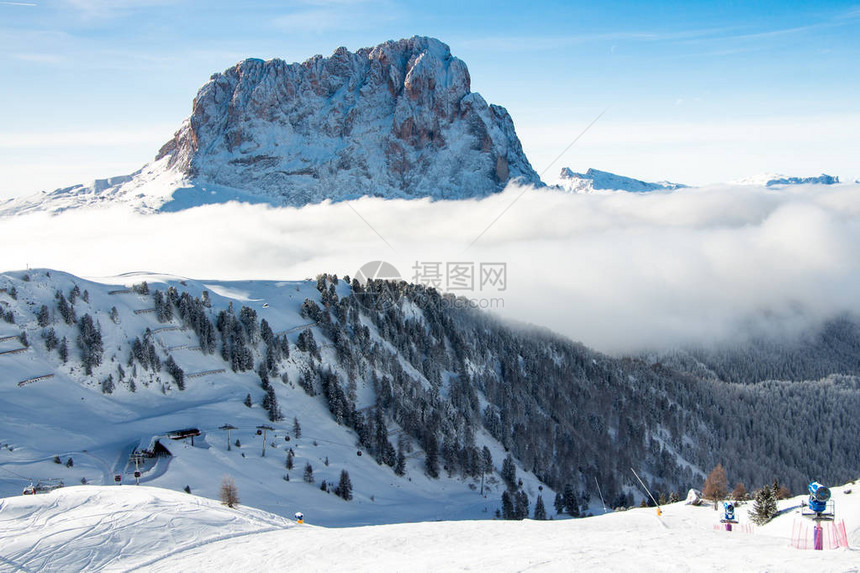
818 497
729 511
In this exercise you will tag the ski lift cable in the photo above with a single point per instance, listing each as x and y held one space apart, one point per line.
14 474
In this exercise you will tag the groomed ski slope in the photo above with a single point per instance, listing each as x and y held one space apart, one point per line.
128 528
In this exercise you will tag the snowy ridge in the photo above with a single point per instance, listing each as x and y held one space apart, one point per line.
596 180
776 179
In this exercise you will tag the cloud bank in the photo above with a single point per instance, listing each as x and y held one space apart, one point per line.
619 272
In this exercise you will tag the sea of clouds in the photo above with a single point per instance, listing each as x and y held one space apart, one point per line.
620 272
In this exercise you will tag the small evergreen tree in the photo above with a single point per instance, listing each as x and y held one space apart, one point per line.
558 503
344 486
63 350
400 462
290 456
764 506
297 429
309 473
509 473
507 505
247 400
431 460
540 510
521 505
571 504
43 317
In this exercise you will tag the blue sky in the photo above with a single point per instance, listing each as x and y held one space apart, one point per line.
695 92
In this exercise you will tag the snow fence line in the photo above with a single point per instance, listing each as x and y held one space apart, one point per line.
34 379
831 535
205 373
15 350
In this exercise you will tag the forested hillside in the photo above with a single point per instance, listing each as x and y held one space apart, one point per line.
402 360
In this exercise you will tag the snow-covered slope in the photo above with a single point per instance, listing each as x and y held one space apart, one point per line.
595 180
53 411
395 120
776 179
131 528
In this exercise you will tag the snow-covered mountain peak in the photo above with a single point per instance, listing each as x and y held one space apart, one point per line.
596 180
395 120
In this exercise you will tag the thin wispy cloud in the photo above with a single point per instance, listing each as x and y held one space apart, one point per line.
318 16
94 138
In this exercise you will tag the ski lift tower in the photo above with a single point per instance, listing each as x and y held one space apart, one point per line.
819 508
228 427
261 431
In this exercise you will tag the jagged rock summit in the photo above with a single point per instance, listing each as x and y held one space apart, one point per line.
395 121
596 180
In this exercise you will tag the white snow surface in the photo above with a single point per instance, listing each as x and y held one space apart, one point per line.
128 528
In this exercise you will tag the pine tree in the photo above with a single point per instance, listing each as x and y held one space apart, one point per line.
400 462
558 503
290 456
431 460
344 486
507 505
571 504
64 350
716 486
540 510
247 400
309 473
43 316
297 429
521 505
509 473
764 507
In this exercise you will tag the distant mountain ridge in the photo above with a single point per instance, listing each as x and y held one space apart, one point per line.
596 180
773 179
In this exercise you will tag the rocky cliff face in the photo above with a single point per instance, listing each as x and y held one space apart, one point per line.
397 120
